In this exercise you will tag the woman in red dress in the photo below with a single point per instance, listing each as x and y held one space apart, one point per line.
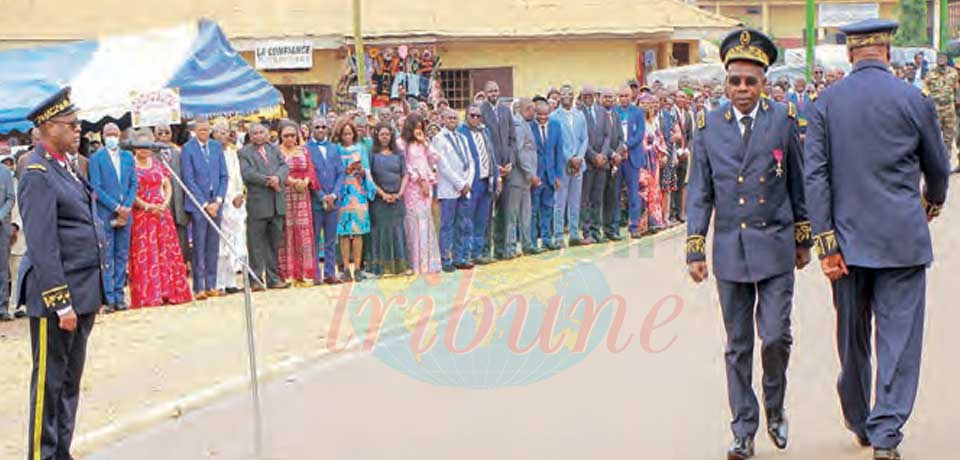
157 273
296 250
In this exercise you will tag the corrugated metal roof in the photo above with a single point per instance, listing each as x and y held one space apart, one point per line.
40 20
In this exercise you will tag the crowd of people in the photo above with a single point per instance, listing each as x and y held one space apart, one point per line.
411 189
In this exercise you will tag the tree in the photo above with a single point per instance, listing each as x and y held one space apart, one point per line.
913 23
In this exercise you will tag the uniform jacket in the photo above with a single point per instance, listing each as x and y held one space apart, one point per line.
760 212
863 162
475 155
525 166
263 202
329 172
206 180
549 155
455 167
63 264
111 190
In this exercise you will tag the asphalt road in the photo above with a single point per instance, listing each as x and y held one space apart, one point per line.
649 401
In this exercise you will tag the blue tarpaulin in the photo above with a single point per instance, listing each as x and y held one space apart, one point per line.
195 58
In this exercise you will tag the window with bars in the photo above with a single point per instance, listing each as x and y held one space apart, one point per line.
456 87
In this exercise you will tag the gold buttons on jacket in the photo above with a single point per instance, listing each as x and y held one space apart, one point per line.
740 179
743 225
763 179
762 200
742 201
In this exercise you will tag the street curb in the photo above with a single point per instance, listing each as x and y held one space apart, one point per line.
87 443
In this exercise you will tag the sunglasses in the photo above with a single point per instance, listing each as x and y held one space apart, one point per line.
736 81
319 127
475 115
73 124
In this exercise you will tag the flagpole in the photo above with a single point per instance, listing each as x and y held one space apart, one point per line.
811 35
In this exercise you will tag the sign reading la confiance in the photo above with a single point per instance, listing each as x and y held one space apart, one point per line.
284 54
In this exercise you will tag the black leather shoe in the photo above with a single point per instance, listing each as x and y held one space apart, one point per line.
20 312
233 290
616 238
463 266
778 429
449 269
122 307
741 449
109 309
575 243
5 316
554 247
886 454
483 261
955 170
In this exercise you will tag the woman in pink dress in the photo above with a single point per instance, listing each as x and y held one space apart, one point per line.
422 244
295 260
655 147
157 273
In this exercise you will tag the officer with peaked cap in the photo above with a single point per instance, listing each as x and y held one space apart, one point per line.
746 170
61 280
864 157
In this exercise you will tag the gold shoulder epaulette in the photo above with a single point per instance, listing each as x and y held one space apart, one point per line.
925 92
701 119
37 167
791 110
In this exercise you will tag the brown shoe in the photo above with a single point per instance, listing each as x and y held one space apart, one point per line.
202 295
283 285
214 293
258 288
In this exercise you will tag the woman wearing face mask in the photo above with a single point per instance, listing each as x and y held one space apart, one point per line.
422 243
158 275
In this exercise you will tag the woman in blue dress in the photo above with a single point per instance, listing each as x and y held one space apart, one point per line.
355 196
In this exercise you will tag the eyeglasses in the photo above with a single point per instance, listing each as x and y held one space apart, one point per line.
475 115
73 124
290 135
319 127
736 81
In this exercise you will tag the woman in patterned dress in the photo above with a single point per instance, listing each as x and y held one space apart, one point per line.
157 273
422 245
355 197
650 176
295 260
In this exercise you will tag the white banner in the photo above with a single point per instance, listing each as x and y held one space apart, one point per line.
284 54
838 14
152 108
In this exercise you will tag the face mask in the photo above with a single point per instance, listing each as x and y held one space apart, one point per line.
111 142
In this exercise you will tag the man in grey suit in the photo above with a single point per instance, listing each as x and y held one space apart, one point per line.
499 121
264 172
164 135
520 180
455 176
611 178
598 153
7 200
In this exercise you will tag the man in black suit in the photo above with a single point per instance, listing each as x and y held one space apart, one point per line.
685 121
264 172
499 121
62 279
597 156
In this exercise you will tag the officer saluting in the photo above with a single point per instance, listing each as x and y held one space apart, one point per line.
61 275
747 167
863 162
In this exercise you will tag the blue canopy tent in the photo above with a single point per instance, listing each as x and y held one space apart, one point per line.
196 58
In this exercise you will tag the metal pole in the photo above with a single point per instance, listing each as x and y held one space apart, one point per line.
358 45
944 25
811 39
248 311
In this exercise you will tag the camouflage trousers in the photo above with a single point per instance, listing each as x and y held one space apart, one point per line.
947 114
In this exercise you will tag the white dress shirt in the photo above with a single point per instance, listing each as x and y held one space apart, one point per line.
752 115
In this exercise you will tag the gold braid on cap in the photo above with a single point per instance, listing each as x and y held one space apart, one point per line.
878 38
746 51
51 111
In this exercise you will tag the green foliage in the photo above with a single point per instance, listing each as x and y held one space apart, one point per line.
913 23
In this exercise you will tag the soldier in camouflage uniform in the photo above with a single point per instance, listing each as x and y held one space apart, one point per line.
941 83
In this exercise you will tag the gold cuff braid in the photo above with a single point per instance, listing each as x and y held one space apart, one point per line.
802 232
932 210
57 297
825 243
696 244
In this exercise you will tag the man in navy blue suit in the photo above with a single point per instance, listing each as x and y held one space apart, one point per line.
204 173
485 185
546 133
329 169
864 157
114 178
747 175
633 127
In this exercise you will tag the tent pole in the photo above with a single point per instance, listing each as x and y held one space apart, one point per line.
358 45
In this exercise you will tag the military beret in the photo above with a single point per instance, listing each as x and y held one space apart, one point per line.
748 45
53 106
869 32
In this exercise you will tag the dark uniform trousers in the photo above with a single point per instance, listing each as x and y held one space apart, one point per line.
58 359
896 297
772 299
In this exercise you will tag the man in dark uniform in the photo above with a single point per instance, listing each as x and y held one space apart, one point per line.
62 284
864 157
747 168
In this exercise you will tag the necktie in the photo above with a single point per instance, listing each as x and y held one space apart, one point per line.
263 154
747 123
206 153
457 147
543 134
74 165
482 150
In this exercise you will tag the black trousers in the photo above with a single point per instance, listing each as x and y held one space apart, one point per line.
676 197
591 202
58 359
611 204
263 245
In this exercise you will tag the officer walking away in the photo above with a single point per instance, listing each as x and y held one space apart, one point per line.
62 282
864 157
747 169
941 85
